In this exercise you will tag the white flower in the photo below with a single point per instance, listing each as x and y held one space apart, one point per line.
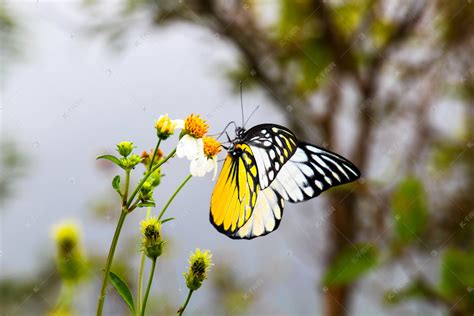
206 160
189 147
201 165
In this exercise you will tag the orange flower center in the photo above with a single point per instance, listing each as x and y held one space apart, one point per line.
195 126
211 147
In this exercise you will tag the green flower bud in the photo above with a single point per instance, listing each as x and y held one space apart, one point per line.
152 243
146 191
199 264
155 178
130 162
125 148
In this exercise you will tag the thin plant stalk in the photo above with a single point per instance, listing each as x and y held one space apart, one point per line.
173 196
154 154
150 280
126 202
181 311
140 273
147 175
100 305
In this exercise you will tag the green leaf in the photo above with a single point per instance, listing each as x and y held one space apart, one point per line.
116 184
457 273
409 209
351 264
122 290
114 159
167 220
146 204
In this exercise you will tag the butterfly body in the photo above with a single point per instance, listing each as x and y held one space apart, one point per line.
266 166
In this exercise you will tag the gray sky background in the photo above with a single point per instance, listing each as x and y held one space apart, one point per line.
73 97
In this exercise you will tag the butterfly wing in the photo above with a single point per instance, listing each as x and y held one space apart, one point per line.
272 146
235 194
310 171
265 218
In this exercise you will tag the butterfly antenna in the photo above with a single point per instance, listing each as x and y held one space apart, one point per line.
251 114
242 104
224 130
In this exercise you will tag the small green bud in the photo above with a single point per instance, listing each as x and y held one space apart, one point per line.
152 243
146 191
134 160
130 162
125 148
199 264
146 188
155 178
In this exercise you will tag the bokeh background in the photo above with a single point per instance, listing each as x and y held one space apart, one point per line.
388 84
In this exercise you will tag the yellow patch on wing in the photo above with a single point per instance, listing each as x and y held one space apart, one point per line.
235 193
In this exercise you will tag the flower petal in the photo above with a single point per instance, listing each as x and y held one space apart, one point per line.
198 166
179 124
189 147
214 162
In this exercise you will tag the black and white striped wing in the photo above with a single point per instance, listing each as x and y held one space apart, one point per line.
272 146
312 170
265 218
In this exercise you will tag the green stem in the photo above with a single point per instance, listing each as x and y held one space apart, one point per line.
181 310
140 282
145 298
173 196
127 185
140 273
65 297
154 154
110 257
145 177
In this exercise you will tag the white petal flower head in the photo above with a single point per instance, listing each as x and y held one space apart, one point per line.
206 161
189 147
190 144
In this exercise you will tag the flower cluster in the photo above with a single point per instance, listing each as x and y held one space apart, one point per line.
194 145
128 160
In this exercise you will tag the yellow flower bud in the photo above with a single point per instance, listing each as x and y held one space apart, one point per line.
199 264
152 243
70 259
164 127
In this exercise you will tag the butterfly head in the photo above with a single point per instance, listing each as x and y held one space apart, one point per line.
239 132
239 135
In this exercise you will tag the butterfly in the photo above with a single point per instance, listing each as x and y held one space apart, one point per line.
265 167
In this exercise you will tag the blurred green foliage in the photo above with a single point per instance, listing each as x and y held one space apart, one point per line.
351 264
409 208
457 276
13 163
